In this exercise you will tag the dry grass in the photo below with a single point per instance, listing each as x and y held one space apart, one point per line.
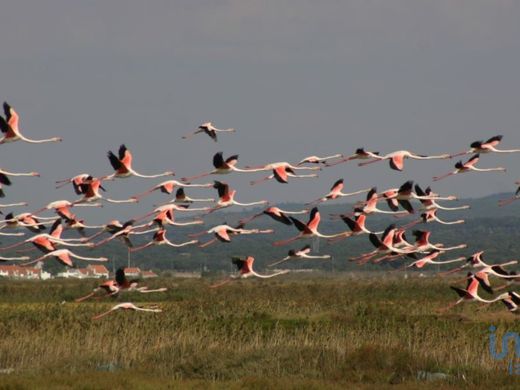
299 332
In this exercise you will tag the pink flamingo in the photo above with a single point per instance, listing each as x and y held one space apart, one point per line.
27 220
430 259
302 253
64 257
431 216
4 179
467 167
397 158
10 128
129 306
470 294
227 197
370 205
120 283
75 180
360 154
223 233
307 230
511 300
430 203
168 186
165 213
476 261
356 226
281 172
62 208
335 192
486 147
123 232
159 238
422 243
384 246
277 214
402 196
210 130
21 258
245 269
182 198
48 242
222 167
90 189
122 165
318 160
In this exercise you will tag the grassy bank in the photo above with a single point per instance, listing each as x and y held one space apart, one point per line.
297 330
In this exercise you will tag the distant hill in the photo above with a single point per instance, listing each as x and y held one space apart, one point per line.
488 227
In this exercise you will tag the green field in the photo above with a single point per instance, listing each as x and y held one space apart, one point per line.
298 331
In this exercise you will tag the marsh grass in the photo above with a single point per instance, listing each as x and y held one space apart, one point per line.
293 332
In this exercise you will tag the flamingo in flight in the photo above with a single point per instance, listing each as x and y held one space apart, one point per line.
476 261
76 182
307 230
281 172
356 225
384 246
486 147
91 187
167 217
165 213
277 214
159 238
430 203
129 306
222 167
210 130
19 258
405 192
398 241
49 242
470 293
319 160
396 159
64 256
245 270
422 243
302 253
467 167
62 208
402 196
431 216
359 154
370 205
223 233
182 198
430 259
227 197
123 232
122 165
4 179
335 193
11 131
168 186
13 204
505 202
112 288
512 301
27 220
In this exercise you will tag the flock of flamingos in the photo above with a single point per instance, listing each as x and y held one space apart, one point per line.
390 244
